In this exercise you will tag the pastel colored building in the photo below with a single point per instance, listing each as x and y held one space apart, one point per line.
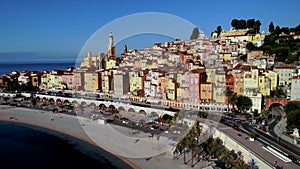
183 90
111 63
172 89
273 76
24 78
250 76
257 39
238 83
35 79
78 80
195 78
162 87
135 81
121 84
295 88
91 61
105 81
68 80
56 80
254 54
206 92
91 81
256 98
219 88
285 74
45 79
264 85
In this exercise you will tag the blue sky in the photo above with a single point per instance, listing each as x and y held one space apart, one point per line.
40 30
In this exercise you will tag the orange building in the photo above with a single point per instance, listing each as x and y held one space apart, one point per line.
206 92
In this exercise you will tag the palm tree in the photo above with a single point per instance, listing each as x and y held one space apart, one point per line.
194 143
212 150
226 158
198 130
232 97
241 165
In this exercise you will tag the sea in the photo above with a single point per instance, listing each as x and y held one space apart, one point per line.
7 68
26 146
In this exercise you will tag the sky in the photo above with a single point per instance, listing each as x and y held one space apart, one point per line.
55 30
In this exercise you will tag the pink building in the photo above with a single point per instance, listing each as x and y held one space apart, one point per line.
196 77
68 79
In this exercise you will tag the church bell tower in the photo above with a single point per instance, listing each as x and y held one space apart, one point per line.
111 47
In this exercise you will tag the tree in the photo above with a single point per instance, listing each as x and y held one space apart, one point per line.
242 24
212 150
244 56
250 23
226 158
243 103
252 134
266 113
290 106
278 92
234 23
271 27
285 30
219 30
257 25
250 46
241 165
231 97
277 30
293 119
195 33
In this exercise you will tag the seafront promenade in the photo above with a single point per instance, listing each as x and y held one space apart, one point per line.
126 147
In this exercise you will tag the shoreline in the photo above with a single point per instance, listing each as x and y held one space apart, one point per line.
56 131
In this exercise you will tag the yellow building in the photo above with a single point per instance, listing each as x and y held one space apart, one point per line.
210 74
225 56
257 39
135 81
105 81
274 78
45 80
183 89
91 81
172 90
219 88
90 61
110 64
264 85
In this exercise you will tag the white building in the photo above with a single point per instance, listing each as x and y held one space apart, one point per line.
256 98
295 89
24 78
121 84
285 74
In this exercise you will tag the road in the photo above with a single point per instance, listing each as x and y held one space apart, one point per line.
287 148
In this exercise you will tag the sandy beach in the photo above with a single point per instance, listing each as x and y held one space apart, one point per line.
117 145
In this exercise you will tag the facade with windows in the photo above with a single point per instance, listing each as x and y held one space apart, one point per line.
295 89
